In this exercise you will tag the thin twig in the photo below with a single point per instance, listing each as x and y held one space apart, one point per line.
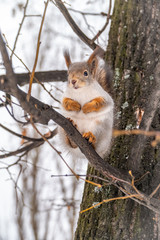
88 13
106 24
109 200
20 27
52 133
43 113
147 133
13 53
33 15
36 79
12 115
154 192
82 175
37 51
45 139
25 149
73 25
117 133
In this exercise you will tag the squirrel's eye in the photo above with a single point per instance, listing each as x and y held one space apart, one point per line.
85 73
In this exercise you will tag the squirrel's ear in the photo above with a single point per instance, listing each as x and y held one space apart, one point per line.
67 58
92 61
93 65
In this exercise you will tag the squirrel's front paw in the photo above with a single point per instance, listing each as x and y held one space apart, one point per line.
94 105
90 137
71 105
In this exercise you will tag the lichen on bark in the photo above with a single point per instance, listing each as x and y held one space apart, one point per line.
133 53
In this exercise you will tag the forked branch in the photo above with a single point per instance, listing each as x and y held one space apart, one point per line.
43 113
90 42
74 26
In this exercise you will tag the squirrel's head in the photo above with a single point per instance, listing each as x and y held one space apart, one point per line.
81 74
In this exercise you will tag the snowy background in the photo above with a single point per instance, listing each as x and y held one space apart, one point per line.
34 205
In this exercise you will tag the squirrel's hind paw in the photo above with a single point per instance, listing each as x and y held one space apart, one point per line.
68 140
90 137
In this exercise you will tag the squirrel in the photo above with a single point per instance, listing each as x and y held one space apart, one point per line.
87 103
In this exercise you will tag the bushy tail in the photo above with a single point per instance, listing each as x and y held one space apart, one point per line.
103 74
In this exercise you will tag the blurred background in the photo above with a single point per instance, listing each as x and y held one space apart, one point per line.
33 204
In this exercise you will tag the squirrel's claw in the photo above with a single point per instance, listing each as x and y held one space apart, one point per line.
73 123
89 136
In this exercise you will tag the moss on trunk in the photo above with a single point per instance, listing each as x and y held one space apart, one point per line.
133 52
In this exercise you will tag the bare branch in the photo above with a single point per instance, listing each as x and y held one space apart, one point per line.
52 134
76 29
88 13
106 24
30 74
11 113
33 15
25 150
36 142
48 76
7 101
74 26
37 51
20 27
45 139
155 134
43 113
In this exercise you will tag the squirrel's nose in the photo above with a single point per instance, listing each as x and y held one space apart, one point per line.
74 81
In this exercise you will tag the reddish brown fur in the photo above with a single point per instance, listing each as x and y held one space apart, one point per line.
71 105
70 142
94 106
97 52
67 58
93 62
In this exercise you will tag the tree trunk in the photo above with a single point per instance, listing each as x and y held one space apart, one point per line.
133 52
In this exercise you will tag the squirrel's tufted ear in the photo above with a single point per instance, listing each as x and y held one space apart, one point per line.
92 61
67 58
93 65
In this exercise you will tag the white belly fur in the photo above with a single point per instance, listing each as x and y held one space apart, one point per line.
99 123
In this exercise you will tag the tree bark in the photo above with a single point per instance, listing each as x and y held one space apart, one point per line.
133 52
